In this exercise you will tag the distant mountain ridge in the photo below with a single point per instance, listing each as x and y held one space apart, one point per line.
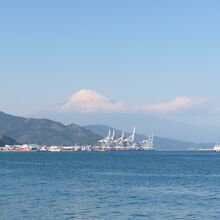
44 131
162 126
5 140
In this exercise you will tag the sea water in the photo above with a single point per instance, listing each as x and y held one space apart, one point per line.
109 185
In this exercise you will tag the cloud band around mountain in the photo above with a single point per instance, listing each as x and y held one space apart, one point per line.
89 101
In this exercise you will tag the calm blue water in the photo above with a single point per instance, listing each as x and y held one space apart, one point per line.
110 185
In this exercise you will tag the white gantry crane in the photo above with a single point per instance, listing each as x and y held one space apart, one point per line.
105 141
148 144
131 144
108 141
120 141
112 139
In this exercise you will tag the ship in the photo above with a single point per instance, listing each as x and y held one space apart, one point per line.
216 148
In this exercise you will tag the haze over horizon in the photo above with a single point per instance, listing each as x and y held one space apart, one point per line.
94 60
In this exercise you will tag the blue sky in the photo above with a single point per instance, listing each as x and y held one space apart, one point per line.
135 52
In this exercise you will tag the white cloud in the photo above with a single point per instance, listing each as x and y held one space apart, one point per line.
174 105
90 101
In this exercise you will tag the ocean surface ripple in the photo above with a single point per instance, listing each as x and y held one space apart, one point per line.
109 185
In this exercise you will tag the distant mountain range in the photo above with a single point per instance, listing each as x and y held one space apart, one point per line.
44 131
88 107
122 120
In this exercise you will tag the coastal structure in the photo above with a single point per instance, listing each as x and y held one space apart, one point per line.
108 143
148 144
122 143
